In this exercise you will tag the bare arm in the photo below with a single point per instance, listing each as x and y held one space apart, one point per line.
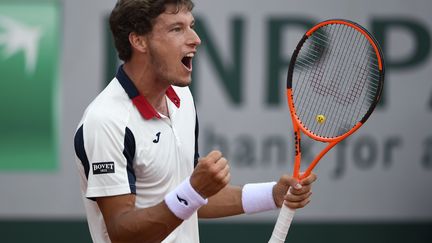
228 201
125 223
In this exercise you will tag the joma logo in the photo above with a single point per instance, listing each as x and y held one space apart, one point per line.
103 168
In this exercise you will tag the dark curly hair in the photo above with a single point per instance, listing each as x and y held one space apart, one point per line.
137 16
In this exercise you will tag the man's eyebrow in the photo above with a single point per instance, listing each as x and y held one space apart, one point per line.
174 24
180 23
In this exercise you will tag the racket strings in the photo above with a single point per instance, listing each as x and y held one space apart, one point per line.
358 83
318 77
344 99
336 75
326 88
319 48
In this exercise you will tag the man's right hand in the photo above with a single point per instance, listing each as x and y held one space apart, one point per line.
211 174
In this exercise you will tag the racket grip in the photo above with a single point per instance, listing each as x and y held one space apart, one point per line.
283 224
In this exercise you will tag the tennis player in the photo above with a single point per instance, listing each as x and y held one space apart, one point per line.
142 179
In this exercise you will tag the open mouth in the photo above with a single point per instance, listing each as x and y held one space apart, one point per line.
187 61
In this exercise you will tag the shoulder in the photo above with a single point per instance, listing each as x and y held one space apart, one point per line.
109 110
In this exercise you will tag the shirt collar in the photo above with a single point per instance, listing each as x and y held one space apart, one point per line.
146 110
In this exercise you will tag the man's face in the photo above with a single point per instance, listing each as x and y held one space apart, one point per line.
172 45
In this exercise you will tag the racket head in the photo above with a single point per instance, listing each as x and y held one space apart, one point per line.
335 79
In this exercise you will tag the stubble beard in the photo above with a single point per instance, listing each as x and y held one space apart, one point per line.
163 73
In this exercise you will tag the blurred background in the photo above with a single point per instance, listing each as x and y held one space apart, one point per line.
56 56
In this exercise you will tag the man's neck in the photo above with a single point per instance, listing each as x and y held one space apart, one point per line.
148 86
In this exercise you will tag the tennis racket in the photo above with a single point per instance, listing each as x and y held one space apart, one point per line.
335 79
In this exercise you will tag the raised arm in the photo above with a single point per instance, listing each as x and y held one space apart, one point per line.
232 200
126 223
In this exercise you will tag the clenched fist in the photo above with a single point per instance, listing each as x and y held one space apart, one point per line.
211 174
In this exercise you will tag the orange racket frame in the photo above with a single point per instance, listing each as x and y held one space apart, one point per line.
286 214
298 125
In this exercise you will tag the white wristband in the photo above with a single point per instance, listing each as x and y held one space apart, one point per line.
184 201
258 197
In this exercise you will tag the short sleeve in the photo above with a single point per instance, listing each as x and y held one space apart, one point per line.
106 149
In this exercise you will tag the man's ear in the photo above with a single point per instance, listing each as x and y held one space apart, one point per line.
138 42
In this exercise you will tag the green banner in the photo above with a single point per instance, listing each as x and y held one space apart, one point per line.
29 65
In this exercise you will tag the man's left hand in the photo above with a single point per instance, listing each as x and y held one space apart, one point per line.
300 191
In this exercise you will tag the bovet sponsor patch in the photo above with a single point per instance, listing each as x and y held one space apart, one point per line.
103 168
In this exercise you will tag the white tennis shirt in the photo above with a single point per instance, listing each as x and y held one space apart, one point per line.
123 145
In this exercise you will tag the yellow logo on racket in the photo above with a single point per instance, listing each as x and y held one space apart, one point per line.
320 119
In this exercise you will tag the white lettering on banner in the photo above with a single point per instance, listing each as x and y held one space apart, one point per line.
383 172
364 153
390 155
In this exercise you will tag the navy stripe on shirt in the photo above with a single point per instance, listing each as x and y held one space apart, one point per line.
196 155
80 150
129 153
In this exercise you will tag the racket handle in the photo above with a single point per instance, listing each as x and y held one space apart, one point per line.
283 224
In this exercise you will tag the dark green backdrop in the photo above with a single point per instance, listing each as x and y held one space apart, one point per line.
77 232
